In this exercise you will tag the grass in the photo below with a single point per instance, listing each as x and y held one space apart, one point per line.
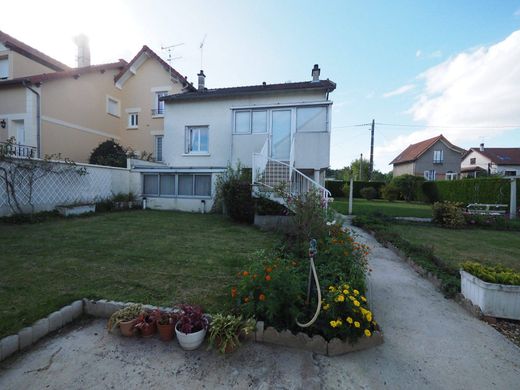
156 257
391 209
454 246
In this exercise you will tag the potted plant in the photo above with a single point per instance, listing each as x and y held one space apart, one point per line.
226 331
166 325
147 323
126 319
191 327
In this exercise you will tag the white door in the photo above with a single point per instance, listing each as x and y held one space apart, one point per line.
281 135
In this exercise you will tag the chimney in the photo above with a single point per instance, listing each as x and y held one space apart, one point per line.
83 58
482 147
315 73
202 80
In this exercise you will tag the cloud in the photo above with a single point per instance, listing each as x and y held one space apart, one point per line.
399 91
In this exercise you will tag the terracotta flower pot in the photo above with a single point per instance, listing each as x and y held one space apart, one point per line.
149 329
127 327
166 331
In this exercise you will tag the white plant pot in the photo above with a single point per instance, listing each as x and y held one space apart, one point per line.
495 300
190 341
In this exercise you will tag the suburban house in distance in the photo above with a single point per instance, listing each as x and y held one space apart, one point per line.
435 159
51 108
491 161
280 131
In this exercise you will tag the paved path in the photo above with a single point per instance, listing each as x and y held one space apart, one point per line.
430 343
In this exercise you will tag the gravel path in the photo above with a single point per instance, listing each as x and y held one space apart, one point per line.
430 343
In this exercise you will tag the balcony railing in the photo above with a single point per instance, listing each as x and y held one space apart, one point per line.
17 150
157 111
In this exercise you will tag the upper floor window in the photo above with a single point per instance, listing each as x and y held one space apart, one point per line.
113 107
310 119
158 148
197 140
4 68
472 161
133 120
250 121
158 108
438 156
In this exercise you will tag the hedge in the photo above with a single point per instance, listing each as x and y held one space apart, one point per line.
336 187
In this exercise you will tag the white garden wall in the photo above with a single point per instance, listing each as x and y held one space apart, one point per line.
69 187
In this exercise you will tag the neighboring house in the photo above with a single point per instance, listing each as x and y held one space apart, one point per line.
491 161
50 108
280 131
434 159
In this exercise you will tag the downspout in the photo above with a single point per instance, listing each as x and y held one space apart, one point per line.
38 118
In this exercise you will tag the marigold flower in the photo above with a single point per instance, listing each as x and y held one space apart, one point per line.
245 273
368 333
233 292
268 277
357 324
261 297
350 320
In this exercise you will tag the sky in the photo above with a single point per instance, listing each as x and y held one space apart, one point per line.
418 68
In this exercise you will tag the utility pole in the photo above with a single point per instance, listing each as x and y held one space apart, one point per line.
371 166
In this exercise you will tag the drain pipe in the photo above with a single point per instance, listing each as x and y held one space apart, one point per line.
38 118
313 250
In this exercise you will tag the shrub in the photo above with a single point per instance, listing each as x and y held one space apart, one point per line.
368 193
449 214
336 188
408 186
496 274
109 153
390 192
233 192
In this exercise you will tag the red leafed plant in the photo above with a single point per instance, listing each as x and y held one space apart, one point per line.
191 319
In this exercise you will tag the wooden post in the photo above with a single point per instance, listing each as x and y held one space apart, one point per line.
512 205
350 196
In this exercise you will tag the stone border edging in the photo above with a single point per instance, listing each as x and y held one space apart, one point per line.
103 308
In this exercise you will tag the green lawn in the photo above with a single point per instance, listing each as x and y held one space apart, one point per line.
454 246
156 257
391 209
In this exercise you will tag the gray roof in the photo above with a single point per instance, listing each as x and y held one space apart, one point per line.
326 85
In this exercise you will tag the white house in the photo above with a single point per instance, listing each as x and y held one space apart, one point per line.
501 161
280 131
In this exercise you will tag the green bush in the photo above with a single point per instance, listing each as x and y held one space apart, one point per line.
390 192
368 193
336 188
449 214
408 185
497 274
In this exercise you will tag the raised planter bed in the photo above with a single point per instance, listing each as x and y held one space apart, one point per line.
79 209
495 300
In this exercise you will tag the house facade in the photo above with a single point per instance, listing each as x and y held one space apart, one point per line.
491 161
434 159
50 108
270 128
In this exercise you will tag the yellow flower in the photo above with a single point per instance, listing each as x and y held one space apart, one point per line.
326 306
356 292
357 324
340 298
349 320
368 333
363 299
356 303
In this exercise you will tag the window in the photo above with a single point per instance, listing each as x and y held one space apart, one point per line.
429 175
112 106
150 184
311 119
438 156
158 109
133 120
4 68
158 148
472 161
247 122
197 140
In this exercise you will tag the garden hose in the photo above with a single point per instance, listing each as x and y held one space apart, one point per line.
312 253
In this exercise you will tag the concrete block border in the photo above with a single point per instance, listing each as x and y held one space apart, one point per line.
316 343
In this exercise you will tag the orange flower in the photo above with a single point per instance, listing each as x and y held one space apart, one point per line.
268 277
268 269
261 297
233 292
245 273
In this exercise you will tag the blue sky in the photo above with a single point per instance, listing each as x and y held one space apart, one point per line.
455 64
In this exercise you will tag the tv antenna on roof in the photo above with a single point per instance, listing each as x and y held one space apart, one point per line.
170 49
201 47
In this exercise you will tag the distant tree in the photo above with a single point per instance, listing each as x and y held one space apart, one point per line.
109 153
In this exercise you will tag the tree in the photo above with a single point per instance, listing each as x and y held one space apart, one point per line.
109 153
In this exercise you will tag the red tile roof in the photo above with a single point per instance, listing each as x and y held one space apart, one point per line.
164 64
501 156
73 72
30 52
414 151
